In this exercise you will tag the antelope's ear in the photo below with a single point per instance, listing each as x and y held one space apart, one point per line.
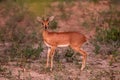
39 19
51 18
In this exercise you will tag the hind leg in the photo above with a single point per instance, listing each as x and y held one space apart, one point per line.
83 53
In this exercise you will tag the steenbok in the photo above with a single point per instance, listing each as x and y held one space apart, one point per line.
61 39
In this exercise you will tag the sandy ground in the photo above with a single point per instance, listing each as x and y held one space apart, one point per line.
97 68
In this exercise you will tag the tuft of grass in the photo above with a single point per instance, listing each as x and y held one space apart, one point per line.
53 24
19 74
95 1
29 77
29 52
69 55
58 77
107 37
2 69
97 48
65 16
57 57
86 24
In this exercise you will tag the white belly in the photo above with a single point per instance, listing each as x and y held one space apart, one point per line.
47 44
64 45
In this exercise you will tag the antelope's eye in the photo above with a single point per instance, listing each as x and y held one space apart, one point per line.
42 24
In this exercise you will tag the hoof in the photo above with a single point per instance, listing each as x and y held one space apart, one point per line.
46 66
51 69
82 68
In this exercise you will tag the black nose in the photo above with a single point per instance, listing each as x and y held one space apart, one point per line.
45 27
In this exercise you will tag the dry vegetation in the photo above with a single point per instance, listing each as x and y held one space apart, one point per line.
23 54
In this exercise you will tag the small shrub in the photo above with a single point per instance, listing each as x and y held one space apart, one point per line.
29 52
107 38
108 35
58 77
2 69
69 55
53 24
85 24
97 48
61 6
111 17
95 1
65 15
57 57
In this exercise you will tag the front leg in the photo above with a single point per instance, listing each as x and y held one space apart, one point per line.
52 56
48 57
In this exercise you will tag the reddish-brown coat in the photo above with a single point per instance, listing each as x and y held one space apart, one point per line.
62 38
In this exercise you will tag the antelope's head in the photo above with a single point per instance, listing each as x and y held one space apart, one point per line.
45 22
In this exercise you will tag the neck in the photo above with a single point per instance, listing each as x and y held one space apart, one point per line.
44 33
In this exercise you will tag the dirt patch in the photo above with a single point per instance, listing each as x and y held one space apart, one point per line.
96 69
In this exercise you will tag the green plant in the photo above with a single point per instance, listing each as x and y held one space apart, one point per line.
107 38
2 69
9 74
58 77
97 48
29 52
108 35
69 55
86 24
65 15
53 24
111 17
110 38
95 1
57 57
